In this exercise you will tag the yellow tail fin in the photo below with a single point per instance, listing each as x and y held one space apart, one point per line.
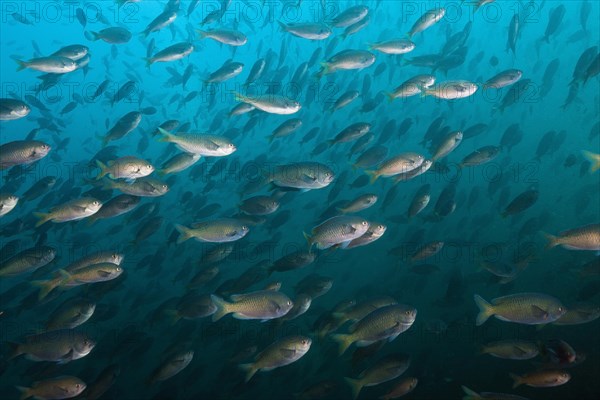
594 159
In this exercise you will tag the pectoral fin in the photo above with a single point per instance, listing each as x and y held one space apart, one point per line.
287 353
539 313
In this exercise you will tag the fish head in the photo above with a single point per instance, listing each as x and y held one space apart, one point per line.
230 148
49 254
87 308
378 229
148 169
11 200
94 205
557 311
85 345
21 110
371 199
41 149
406 315
305 343
286 305
116 258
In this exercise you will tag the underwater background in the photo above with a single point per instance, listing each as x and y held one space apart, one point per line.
159 305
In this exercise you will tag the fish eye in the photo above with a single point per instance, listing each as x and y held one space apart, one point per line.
164 186
364 223
289 303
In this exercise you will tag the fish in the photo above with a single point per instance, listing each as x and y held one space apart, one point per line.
384 323
349 16
521 203
295 260
375 232
60 346
398 164
511 349
346 60
412 87
172 366
228 71
447 145
427 250
351 133
472 395
72 210
428 19
514 31
177 163
301 175
22 152
386 369
259 205
395 46
125 125
503 79
336 230
556 17
116 206
61 387
7 203
224 36
219 230
271 103
27 261
306 30
112 35
451 90
51 64
522 308
166 18
75 52
13 109
284 351
401 388
142 187
420 200
128 167
480 156
172 53
545 378
199 144
360 203
286 128
344 100
71 314
586 237
101 272
103 382
262 305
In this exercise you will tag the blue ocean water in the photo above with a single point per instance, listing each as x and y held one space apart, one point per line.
542 126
